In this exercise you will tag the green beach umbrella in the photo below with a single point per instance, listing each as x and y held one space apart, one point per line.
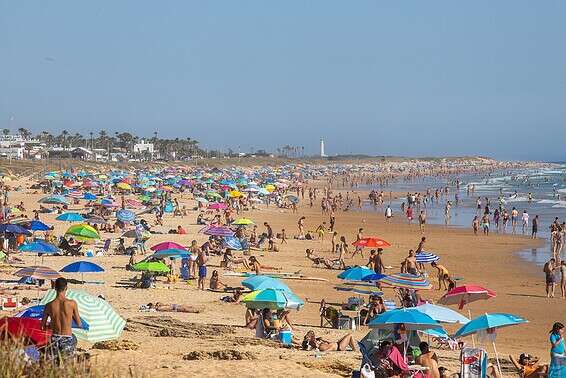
83 232
104 323
153 266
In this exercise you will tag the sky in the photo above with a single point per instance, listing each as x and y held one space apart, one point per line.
411 78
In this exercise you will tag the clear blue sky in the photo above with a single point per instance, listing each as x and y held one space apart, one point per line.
378 77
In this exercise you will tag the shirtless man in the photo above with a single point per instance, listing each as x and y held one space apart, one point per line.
410 263
61 312
201 262
442 274
429 360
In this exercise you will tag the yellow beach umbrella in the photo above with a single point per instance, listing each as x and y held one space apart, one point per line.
123 186
235 194
270 187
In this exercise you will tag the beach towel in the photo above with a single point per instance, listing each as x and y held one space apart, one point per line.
473 363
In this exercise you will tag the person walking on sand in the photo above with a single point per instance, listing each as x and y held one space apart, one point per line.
388 213
61 312
563 279
359 248
422 221
301 225
409 214
550 281
557 366
514 217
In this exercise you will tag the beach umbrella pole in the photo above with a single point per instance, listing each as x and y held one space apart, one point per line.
473 338
497 358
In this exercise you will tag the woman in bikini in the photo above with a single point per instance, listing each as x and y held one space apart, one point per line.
311 342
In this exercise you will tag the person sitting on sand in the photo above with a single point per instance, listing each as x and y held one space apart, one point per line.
529 366
311 342
429 360
376 307
215 283
163 307
285 320
234 298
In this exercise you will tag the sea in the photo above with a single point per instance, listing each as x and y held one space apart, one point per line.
511 188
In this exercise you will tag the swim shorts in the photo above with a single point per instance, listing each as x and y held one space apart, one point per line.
62 346
202 271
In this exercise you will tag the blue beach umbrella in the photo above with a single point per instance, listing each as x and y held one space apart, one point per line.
14 229
82 267
233 243
489 323
412 319
259 282
356 273
89 197
54 200
36 225
70 217
124 215
38 246
374 277
172 252
36 312
426 257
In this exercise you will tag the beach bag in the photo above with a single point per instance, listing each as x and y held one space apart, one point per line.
367 372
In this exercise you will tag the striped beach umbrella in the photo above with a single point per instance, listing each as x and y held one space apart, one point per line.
426 257
38 272
406 281
104 322
124 215
218 231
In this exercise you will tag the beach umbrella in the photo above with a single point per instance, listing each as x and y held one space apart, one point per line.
70 217
413 320
438 333
54 200
167 245
426 257
38 246
36 312
442 314
359 288
235 194
243 222
356 273
406 281
83 232
462 295
124 215
272 299
36 225
38 272
13 228
260 282
82 267
95 220
487 324
218 231
104 323
123 186
89 196
27 329
151 266
374 277
174 252
217 206
371 242
233 243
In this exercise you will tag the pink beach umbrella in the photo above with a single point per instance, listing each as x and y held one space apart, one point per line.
465 294
168 245
217 206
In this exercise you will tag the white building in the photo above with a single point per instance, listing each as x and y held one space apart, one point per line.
322 154
143 147
12 152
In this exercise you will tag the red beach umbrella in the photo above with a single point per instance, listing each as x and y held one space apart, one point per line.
462 295
371 242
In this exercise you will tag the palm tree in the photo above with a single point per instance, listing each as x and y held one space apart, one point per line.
6 131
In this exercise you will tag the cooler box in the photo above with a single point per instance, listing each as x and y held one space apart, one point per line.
286 337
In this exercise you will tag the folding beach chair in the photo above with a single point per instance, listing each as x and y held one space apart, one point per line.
104 250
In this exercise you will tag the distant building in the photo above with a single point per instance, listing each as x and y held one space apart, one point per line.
82 153
143 148
322 154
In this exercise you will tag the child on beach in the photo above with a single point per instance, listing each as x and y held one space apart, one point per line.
476 225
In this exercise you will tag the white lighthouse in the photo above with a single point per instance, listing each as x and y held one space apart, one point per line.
322 154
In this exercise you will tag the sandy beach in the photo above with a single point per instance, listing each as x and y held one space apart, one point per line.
215 343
